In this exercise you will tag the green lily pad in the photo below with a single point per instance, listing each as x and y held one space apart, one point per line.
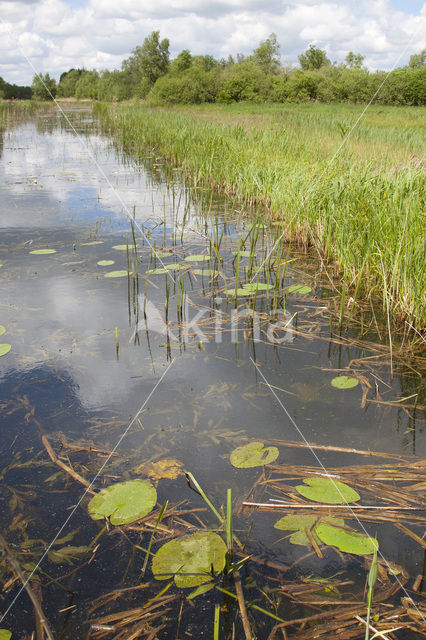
5 634
89 244
121 247
42 252
243 254
257 286
156 271
347 541
175 266
197 258
208 273
105 263
190 559
5 348
253 454
2 329
116 274
300 522
299 288
327 490
344 382
123 502
238 292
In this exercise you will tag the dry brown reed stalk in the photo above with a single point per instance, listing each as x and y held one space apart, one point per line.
69 470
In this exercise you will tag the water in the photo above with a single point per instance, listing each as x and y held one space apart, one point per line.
102 360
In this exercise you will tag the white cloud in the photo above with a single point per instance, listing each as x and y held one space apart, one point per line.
55 36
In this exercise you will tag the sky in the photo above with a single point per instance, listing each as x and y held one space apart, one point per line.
56 35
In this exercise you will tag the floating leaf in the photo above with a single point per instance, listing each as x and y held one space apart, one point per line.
105 263
165 468
199 591
42 252
2 329
344 382
68 555
243 254
175 266
238 292
89 244
156 271
253 454
121 247
257 286
347 541
123 502
299 288
116 274
5 634
197 258
208 273
190 559
5 348
300 522
327 490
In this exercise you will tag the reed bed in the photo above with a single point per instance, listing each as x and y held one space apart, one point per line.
362 210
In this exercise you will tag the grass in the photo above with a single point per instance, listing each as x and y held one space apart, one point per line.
362 211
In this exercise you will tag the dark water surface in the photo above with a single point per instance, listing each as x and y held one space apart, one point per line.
85 360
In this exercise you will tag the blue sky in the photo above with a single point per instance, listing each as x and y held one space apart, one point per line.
56 35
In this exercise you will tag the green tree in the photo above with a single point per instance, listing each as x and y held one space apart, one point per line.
87 85
313 58
267 54
182 61
67 82
43 87
418 60
148 62
354 60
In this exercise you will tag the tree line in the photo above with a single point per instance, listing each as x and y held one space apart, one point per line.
151 75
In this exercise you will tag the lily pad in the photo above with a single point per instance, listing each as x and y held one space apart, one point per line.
243 254
121 247
197 258
344 382
175 266
257 286
42 252
347 541
208 273
116 274
123 502
5 348
2 329
156 271
190 559
89 244
253 454
5 634
165 468
199 591
327 490
105 263
238 292
300 522
299 288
